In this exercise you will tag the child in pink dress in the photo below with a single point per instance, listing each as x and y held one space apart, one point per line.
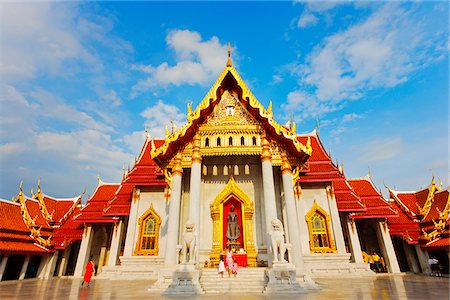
235 267
221 266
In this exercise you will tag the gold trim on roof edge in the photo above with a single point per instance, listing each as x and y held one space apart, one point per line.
246 95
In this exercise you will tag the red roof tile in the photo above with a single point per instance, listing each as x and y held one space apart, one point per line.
10 217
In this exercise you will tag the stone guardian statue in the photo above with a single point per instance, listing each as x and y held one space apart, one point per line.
189 239
277 240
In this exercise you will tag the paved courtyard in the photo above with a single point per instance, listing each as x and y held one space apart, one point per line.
378 287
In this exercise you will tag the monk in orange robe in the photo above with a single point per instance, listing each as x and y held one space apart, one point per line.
88 273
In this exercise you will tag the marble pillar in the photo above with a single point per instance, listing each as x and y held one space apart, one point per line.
116 241
3 265
411 258
270 208
194 190
101 259
423 258
336 221
64 261
132 221
23 270
291 212
354 241
173 224
387 249
85 249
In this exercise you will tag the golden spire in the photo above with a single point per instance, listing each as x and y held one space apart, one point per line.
229 64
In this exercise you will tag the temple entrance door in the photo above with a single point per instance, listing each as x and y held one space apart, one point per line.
232 227
232 195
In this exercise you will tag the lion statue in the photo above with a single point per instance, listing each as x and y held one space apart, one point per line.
189 238
277 239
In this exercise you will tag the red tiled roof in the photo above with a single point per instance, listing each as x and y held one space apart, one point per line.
441 199
57 208
376 206
11 217
443 242
93 211
35 213
18 247
346 199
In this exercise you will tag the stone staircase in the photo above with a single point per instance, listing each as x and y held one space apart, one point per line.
248 280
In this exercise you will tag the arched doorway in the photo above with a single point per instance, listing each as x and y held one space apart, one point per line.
232 195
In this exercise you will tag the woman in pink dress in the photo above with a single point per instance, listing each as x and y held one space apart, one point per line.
229 260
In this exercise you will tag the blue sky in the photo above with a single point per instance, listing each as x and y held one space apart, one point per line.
81 81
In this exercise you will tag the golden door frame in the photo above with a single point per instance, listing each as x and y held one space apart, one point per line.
216 209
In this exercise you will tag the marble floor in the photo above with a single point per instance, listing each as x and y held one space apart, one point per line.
379 287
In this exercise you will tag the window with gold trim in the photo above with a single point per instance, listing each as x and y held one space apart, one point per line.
320 239
149 225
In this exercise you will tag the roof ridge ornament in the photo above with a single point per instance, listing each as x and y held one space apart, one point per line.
229 63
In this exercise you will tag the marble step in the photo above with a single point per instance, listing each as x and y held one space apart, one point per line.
248 280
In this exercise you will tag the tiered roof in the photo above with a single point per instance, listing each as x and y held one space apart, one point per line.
145 172
15 235
376 205
320 168
32 224
92 212
423 216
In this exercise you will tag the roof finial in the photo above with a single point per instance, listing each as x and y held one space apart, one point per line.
147 134
229 64
369 173
98 178
317 124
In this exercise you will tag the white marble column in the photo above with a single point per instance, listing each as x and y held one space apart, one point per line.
336 222
194 190
101 260
354 241
3 265
411 258
291 212
47 266
173 224
51 265
116 241
64 261
24 267
387 249
43 266
270 207
132 224
423 258
85 248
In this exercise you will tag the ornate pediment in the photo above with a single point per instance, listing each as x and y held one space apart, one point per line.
230 121
229 113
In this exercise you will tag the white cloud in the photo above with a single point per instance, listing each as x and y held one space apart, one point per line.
134 141
112 97
307 20
197 62
351 117
10 148
380 52
381 149
157 118
306 105
38 36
